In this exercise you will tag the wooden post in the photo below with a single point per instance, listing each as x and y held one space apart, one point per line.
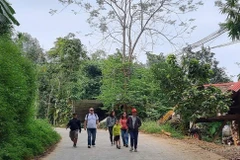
234 132
238 138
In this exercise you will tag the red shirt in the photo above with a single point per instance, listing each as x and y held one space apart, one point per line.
123 123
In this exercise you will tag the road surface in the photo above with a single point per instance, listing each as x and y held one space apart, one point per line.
150 148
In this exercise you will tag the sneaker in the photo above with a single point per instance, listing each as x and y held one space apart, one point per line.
112 143
74 145
126 145
89 146
131 149
119 147
135 150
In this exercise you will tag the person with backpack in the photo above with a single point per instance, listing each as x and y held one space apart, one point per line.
111 120
133 124
75 126
91 123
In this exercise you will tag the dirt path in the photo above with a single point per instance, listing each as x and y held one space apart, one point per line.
150 148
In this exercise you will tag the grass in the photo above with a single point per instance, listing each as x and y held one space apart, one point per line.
31 142
153 127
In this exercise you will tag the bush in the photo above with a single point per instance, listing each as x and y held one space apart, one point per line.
154 127
21 137
38 136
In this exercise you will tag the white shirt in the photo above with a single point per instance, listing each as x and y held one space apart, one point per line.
91 120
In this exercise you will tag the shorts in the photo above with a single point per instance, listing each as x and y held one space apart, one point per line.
73 134
116 138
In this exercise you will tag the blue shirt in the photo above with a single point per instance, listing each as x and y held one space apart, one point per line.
91 120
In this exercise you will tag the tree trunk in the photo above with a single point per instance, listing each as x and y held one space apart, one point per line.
49 102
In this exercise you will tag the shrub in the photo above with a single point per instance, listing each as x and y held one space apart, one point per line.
21 137
154 127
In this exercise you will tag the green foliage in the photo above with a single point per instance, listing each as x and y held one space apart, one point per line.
61 79
231 9
17 87
30 47
206 61
208 130
89 80
154 127
21 137
32 141
203 103
170 79
125 85
6 13
182 86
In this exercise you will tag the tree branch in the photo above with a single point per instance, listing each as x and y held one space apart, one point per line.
146 23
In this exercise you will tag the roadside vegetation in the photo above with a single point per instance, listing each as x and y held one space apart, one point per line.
38 88
153 127
21 135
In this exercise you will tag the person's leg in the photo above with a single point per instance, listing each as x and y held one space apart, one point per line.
75 138
118 142
110 134
126 138
135 140
70 135
123 136
89 137
131 140
94 133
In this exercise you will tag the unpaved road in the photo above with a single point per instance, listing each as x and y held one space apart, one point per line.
150 148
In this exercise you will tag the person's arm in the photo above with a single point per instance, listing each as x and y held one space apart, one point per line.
79 126
140 122
113 130
98 124
107 122
85 123
68 125
128 122
121 122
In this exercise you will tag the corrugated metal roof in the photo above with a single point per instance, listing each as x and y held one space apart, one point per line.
222 86
232 86
235 87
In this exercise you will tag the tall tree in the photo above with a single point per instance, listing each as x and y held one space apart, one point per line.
205 56
127 22
31 47
60 77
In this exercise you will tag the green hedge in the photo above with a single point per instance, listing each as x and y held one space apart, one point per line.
21 136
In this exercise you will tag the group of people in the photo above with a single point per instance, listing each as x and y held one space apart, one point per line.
123 127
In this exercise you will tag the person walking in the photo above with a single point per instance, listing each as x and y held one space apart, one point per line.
91 123
111 120
133 124
116 133
75 126
124 129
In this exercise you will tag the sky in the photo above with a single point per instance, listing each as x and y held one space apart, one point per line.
35 19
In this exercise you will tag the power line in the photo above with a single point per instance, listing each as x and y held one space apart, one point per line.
226 44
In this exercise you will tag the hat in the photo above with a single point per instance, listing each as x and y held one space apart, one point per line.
134 110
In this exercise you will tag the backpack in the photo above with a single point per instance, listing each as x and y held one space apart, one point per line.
94 114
